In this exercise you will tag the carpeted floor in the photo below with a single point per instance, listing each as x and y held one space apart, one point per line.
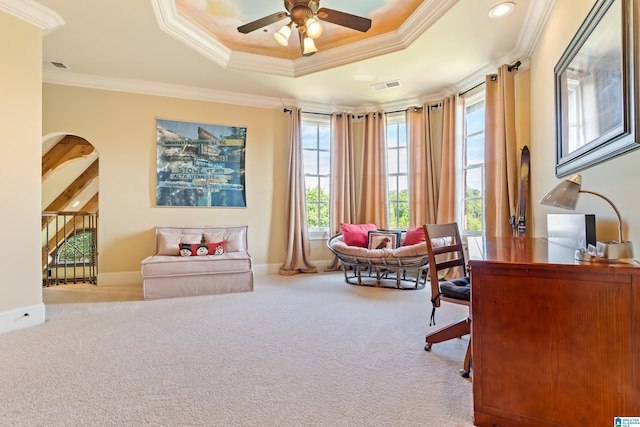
306 350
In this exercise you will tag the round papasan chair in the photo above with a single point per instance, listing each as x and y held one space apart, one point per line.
404 267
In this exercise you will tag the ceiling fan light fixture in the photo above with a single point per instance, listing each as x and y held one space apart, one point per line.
306 15
309 46
314 28
282 36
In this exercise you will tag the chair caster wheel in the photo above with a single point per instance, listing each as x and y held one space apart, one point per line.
465 374
427 347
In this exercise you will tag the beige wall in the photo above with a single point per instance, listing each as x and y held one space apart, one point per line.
618 178
121 127
20 121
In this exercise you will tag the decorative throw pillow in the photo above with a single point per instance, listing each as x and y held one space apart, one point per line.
202 249
414 236
383 239
188 249
217 248
356 234
233 238
168 242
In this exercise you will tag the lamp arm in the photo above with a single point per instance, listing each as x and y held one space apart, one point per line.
614 208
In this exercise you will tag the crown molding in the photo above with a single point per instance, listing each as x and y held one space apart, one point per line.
537 16
174 24
143 87
33 13
423 18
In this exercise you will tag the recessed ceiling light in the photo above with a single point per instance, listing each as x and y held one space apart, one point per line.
502 9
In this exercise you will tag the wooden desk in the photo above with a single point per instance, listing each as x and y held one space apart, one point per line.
556 342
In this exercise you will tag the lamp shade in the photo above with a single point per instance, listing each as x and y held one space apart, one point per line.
564 195
314 28
282 36
309 46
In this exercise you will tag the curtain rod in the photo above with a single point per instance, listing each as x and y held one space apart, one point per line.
511 67
432 106
471 88
288 110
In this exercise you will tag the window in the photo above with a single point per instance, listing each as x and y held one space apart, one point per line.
397 171
76 249
473 165
316 151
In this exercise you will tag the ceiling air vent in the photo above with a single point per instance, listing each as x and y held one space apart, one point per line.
56 64
386 85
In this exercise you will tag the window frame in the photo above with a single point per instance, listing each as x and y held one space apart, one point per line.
88 258
396 119
468 101
317 120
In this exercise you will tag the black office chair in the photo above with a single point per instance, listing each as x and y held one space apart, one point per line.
446 259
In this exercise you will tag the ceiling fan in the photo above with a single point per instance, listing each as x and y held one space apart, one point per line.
302 14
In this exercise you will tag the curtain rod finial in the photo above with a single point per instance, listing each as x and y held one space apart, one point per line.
514 66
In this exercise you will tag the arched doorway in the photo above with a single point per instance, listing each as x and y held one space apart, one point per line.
70 210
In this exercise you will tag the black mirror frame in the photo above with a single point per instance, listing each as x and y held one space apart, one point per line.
623 138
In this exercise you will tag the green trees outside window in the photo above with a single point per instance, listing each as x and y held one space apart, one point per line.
317 208
473 210
76 249
399 209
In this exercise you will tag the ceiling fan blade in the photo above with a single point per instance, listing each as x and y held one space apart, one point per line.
345 19
262 22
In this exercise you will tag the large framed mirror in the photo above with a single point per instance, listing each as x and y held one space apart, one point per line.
595 89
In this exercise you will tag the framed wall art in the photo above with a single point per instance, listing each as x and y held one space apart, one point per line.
595 89
200 164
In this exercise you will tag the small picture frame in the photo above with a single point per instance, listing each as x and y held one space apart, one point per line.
383 239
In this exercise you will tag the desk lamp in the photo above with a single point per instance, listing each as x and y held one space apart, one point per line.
565 195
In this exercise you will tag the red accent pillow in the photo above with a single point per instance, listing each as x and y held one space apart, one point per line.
414 236
356 234
201 249
217 248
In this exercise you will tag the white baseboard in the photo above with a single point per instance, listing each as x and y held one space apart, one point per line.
21 318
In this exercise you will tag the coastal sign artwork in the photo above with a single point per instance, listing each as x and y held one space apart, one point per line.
200 164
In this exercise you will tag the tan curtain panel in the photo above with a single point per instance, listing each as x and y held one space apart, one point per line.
449 169
372 201
342 204
501 153
297 235
423 189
